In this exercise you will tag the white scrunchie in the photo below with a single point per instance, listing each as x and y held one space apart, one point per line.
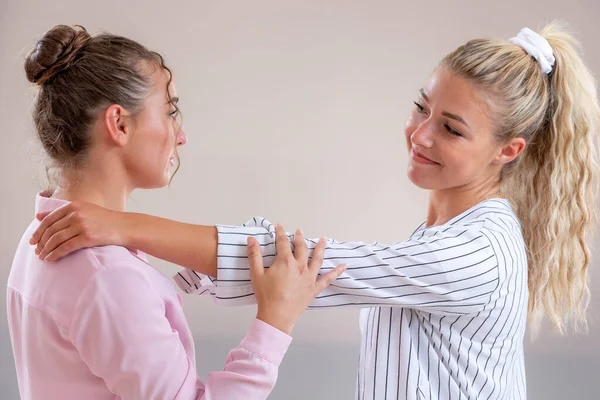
537 47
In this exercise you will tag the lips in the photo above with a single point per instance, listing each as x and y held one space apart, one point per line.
420 158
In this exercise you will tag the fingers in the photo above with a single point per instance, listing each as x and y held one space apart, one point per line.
300 248
75 243
57 239
255 258
282 243
328 278
60 225
317 257
50 219
42 215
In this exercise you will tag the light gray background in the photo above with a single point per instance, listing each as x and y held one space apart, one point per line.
294 111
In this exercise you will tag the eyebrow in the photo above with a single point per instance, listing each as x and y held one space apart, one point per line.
173 100
445 113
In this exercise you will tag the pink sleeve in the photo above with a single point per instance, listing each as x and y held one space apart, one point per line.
251 368
121 332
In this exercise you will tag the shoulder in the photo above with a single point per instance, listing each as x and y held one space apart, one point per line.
97 273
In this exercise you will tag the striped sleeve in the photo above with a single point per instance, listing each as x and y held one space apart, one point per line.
448 271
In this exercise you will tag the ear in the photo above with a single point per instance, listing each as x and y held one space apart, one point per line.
510 151
119 125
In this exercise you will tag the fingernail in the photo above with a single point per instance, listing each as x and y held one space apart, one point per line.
37 250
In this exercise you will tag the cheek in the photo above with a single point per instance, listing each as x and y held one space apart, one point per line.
163 139
409 127
167 142
156 147
465 164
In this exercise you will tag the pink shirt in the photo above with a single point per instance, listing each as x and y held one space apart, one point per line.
101 323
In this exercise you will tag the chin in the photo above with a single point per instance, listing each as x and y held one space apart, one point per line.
157 183
165 178
165 181
421 181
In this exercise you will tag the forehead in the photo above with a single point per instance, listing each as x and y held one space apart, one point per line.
457 95
160 77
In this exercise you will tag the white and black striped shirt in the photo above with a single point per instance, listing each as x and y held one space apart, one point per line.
447 307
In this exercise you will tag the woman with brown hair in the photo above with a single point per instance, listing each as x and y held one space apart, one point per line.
102 323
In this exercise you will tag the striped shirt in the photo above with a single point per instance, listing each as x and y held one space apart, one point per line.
446 309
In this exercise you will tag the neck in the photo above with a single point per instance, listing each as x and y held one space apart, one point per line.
448 203
97 182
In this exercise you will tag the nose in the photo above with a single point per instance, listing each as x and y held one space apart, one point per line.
181 138
423 135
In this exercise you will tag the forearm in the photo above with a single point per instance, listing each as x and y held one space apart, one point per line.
454 273
251 368
188 245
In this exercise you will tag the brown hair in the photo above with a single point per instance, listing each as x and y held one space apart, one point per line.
553 183
79 76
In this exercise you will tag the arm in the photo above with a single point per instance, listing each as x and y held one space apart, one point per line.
77 225
454 271
188 245
120 330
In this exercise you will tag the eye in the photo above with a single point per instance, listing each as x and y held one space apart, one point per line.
452 131
174 112
420 108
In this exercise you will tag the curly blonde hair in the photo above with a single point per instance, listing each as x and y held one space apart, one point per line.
553 184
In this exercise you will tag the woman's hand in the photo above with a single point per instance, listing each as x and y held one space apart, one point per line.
74 226
285 290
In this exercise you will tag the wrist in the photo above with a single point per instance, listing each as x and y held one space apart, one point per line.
277 322
124 232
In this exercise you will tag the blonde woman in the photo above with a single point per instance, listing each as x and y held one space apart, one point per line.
504 137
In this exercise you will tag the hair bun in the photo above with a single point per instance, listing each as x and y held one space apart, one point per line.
56 51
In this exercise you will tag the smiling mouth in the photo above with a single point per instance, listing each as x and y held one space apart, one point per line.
421 159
